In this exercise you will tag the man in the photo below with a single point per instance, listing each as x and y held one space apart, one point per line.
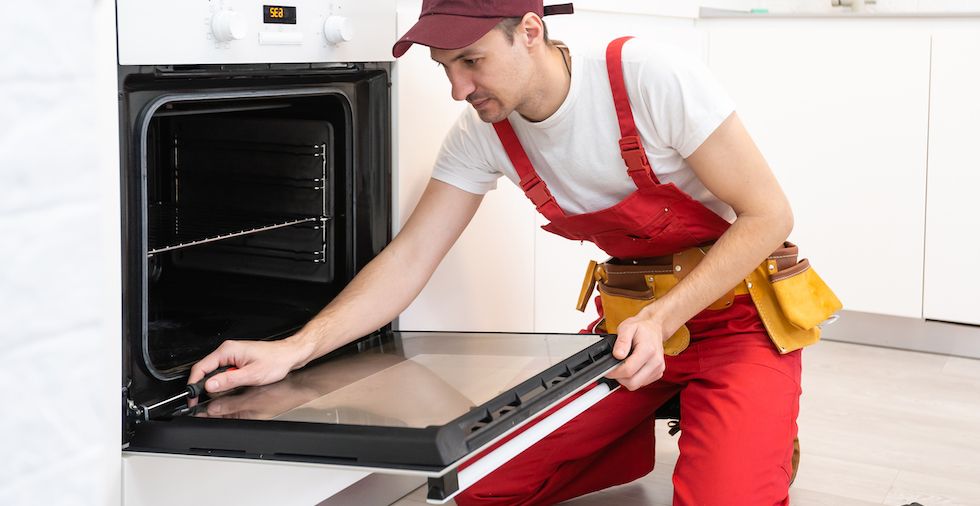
552 121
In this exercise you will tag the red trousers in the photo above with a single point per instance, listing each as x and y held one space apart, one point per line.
739 403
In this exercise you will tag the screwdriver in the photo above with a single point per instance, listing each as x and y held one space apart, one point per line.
192 391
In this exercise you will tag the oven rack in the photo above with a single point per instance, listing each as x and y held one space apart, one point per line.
298 183
315 150
173 227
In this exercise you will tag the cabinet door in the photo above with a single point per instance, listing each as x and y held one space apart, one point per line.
840 111
952 273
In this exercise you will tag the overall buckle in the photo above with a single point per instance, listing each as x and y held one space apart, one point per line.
537 192
633 154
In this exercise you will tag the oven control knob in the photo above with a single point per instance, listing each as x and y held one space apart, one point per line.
338 29
228 25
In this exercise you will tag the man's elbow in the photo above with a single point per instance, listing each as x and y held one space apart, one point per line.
784 220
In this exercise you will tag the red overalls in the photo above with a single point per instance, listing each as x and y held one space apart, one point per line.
739 399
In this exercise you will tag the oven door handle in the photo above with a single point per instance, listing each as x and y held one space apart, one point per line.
444 488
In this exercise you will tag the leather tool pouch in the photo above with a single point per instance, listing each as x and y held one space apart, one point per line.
625 290
804 298
789 295
791 299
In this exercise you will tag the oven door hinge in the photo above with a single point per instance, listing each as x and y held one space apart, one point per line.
130 417
133 413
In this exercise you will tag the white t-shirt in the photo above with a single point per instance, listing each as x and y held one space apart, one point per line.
677 103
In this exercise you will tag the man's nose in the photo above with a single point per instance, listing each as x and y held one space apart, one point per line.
462 86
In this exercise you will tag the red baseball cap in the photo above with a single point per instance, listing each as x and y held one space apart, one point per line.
452 24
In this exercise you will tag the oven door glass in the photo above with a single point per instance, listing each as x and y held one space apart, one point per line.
410 400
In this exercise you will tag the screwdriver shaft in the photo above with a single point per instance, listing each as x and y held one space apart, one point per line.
192 390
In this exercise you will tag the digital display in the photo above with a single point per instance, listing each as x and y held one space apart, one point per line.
279 14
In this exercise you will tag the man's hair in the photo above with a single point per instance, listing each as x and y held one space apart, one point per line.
509 26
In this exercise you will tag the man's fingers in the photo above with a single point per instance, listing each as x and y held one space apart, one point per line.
624 341
204 366
224 355
650 372
227 380
626 369
632 364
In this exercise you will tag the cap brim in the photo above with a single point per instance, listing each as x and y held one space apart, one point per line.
444 31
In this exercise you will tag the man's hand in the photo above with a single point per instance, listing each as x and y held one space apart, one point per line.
645 364
258 363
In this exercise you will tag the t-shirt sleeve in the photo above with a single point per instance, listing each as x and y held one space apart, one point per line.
686 101
465 159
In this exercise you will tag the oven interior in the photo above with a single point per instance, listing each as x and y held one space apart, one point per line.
248 208
242 221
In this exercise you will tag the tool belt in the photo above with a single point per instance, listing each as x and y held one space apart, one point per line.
790 297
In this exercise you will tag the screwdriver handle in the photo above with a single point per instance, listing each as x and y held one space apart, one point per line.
194 390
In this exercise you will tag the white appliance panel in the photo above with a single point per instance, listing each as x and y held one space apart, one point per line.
184 32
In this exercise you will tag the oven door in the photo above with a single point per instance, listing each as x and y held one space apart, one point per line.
422 403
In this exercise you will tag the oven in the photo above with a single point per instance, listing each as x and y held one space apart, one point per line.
256 169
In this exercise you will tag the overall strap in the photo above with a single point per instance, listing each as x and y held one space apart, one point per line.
630 146
535 189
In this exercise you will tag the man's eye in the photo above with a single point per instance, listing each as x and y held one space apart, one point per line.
470 61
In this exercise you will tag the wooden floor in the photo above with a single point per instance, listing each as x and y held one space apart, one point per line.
877 426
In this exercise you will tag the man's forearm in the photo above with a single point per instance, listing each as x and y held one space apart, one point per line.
732 168
390 282
741 249
378 294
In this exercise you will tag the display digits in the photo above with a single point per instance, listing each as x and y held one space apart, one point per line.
279 14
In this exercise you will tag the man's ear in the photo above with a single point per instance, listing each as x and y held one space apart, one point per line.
531 29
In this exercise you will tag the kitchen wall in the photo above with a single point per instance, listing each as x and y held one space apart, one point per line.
59 254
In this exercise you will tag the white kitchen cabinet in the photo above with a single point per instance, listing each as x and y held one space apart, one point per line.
952 273
840 110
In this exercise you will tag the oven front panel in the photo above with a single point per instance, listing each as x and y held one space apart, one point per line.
183 32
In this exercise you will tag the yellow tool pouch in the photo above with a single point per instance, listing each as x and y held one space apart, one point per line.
804 298
789 295
792 301
626 289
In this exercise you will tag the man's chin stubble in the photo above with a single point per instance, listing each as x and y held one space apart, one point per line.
487 118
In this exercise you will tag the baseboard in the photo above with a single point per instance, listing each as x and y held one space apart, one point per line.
899 332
